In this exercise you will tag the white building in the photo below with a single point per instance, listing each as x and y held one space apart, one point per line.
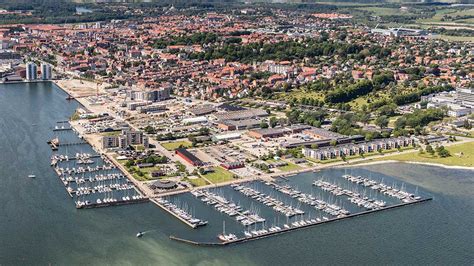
46 73
458 110
31 71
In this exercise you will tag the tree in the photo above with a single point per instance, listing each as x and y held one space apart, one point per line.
204 131
429 149
129 163
273 121
442 152
467 125
263 125
382 121
333 142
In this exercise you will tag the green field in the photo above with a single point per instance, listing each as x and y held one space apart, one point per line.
461 155
385 11
289 167
173 145
219 175
454 14
286 168
197 182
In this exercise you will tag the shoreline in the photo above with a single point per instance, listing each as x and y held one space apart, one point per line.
417 163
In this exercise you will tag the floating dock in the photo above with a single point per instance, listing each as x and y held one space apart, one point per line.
265 235
174 214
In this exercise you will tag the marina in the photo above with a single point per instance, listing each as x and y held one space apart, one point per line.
280 207
91 179
256 209
265 234
179 212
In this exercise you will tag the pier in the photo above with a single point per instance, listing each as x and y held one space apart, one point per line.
110 188
72 143
109 204
62 129
287 230
191 221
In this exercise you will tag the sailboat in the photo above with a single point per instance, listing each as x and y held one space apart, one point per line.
222 236
31 176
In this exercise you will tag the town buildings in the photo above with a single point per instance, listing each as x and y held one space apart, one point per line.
31 71
125 139
46 72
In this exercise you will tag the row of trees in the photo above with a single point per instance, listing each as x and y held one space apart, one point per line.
348 93
440 150
420 118
416 96
288 50
314 118
195 38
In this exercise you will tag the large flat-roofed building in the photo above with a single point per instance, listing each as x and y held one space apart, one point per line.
320 133
194 120
189 157
238 124
297 128
151 95
240 115
400 32
466 96
202 110
266 133
322 142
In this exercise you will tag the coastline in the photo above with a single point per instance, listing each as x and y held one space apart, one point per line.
417 163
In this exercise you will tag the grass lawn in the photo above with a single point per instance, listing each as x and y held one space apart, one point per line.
173 145
456 159
391 121
111 133
197 182
289 167
358 102
219 175
286 168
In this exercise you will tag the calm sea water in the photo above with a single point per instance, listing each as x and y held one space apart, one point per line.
39 223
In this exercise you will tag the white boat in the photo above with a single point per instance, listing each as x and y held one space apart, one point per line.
31 176
139 234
